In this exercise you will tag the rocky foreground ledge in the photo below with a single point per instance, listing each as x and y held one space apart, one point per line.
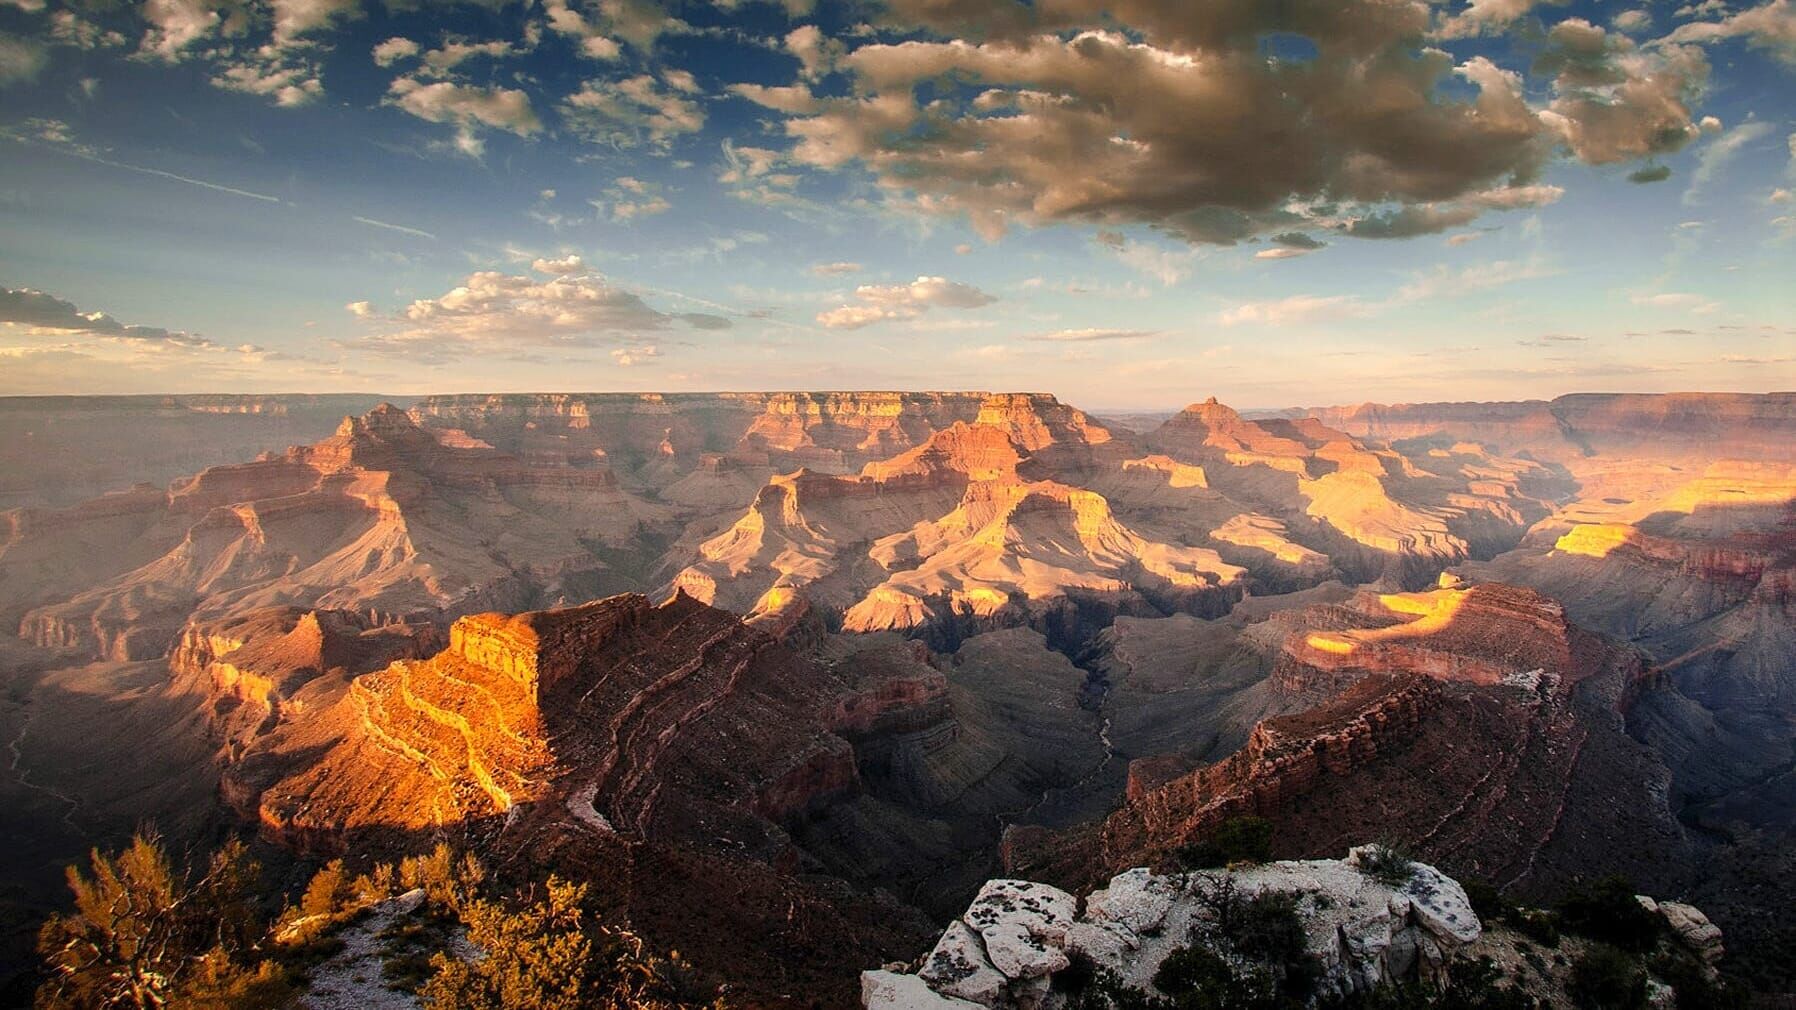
1019 944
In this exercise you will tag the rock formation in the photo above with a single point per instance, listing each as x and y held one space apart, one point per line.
1016 936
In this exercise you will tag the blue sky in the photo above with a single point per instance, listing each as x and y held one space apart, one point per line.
1137 203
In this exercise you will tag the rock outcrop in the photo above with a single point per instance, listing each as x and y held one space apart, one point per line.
1016 936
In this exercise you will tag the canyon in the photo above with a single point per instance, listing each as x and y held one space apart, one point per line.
789 676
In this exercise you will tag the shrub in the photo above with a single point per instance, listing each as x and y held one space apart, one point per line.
1608 911
1538 925
1487 901
1606 978
144 933
1235 840
1387 864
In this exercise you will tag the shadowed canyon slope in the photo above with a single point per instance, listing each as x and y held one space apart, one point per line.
789 675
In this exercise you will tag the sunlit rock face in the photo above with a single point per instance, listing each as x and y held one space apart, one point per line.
1439 716
1034 509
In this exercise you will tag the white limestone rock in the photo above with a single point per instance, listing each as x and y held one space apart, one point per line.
1015 935
1023 925
958 967
887 990
1693 929
1136 899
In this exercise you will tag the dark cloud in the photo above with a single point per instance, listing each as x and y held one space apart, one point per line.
1296 240
1169 113
36 309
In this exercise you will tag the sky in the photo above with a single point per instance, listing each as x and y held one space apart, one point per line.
1128 203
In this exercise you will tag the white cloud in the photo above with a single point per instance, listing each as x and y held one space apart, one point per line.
393 50
634 355
880 302
1294 310
492 311
1092 334
466 107
1770 26
1680 300
631 111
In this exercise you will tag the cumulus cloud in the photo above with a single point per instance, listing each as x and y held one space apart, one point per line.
817 53
38 312
1485 17
173 26
393 50
880 302
493 311
294 18
466 107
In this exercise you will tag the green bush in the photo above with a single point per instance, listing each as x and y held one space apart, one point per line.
1606 978
1235 840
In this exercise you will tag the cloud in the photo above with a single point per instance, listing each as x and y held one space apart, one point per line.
289 81
1770 26
1682 300
630 112
880 302
835 269
1485 17
1289 245
1445 283
1092 334
1293 310
393 50
294 18
20 59
493 312
39 312
466 106
632 198
560 267
1171 115
634 355
1716 154
1168 266
175 25
817 53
